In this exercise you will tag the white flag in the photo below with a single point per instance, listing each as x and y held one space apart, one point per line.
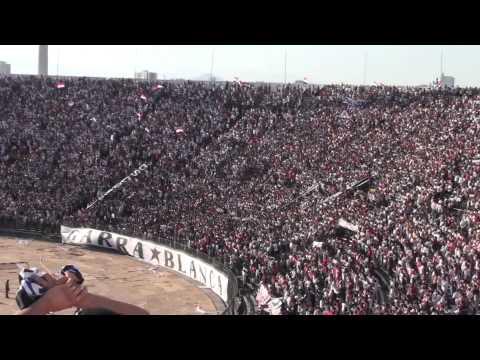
275 306
345 224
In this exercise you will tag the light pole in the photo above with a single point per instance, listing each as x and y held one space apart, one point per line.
58 59
43 60
211 65
365 69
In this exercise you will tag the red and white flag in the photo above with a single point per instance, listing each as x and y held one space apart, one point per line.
60 85
156 87
143 97
179 130
263 296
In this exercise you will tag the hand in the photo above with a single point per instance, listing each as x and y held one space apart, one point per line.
48 281
84 299
63 296
72 276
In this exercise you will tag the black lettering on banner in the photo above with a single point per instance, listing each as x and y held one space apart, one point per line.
138 249
202 272
121 242
87 237
104 236
179 257
210 279
219 284
192 269
71 236
169 259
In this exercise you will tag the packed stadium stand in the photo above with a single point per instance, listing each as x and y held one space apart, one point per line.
329 200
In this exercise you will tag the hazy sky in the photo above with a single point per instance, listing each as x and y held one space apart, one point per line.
324 64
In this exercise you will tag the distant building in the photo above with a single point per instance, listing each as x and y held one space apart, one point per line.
4 68
43 60
447 81
146 75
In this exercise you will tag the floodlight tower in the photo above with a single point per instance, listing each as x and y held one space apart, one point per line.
441 64
43 60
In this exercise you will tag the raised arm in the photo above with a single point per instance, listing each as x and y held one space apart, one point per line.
93 301
57 298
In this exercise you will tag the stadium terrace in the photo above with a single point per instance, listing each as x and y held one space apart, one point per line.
322 200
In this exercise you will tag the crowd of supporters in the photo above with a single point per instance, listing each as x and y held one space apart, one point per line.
259 177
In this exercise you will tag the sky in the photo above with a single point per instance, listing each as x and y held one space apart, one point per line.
322 64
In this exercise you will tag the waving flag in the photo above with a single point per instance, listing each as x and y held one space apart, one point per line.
29 290
143 97
345 224
157 87
263 297
179 130
275 306
236 80
60 85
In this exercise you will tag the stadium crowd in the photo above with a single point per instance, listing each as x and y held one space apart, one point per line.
259 177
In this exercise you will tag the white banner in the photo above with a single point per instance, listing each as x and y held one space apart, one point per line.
151 253
116 186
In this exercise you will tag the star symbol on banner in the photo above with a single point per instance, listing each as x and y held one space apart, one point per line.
155 254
